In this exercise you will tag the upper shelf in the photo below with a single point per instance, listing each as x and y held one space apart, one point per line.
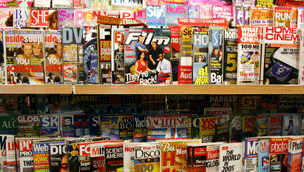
36 89
188 89
152 89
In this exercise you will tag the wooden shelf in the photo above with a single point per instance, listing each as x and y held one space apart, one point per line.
188 89
36 89
151 89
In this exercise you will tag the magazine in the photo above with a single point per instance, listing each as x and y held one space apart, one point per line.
28 125
282 16
11 162
172 12
231 155
114 157
147 157
250 154
155 15
58 157
104 47
161 127
53 57
259 20
67 125
117 53
295 150
90 55
44 18
278 153
263 155
140 128
72 39
41 156
3 140
21 18
65 18
216 54
230 56
25 57
200 55
2 59
49 125
262 124
5 14
275 125
280 56
248 61
154 46
291 124
300 17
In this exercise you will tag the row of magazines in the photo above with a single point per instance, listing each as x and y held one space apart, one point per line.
183 54
275 153
217 125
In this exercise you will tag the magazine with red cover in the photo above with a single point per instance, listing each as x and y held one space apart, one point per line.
53 55
25 57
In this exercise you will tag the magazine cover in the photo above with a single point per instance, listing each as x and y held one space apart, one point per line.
79 18
90 55
263 155
250 154
42 4
41 156
28 125
194 130
44 18
262 124
73 155
248 61
294 17
72 39
97 156
8 124
216 54
231 155
200 55
142 48
65 18
300 17
238 16
21 18
114 157
193 12
230 56
206 11
25 57
3 140
67 125
295 150
155 15
129 153
289 2
53 55
280 56
236 128
175 54
2 59
6 14
11 163
58 157
81 125
261 16
85 163
278 153
222 118
173 12
147 157
282 16
104 47
264 3
186 42
248 125
174 155
117 61
140 128
62 4
49 125
25 148
222 12
207 129
126 128
161 127
94 125
109 126
291 124
275 125
301 62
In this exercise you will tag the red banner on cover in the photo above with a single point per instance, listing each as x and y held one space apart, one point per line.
295 3
202 22
118 21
